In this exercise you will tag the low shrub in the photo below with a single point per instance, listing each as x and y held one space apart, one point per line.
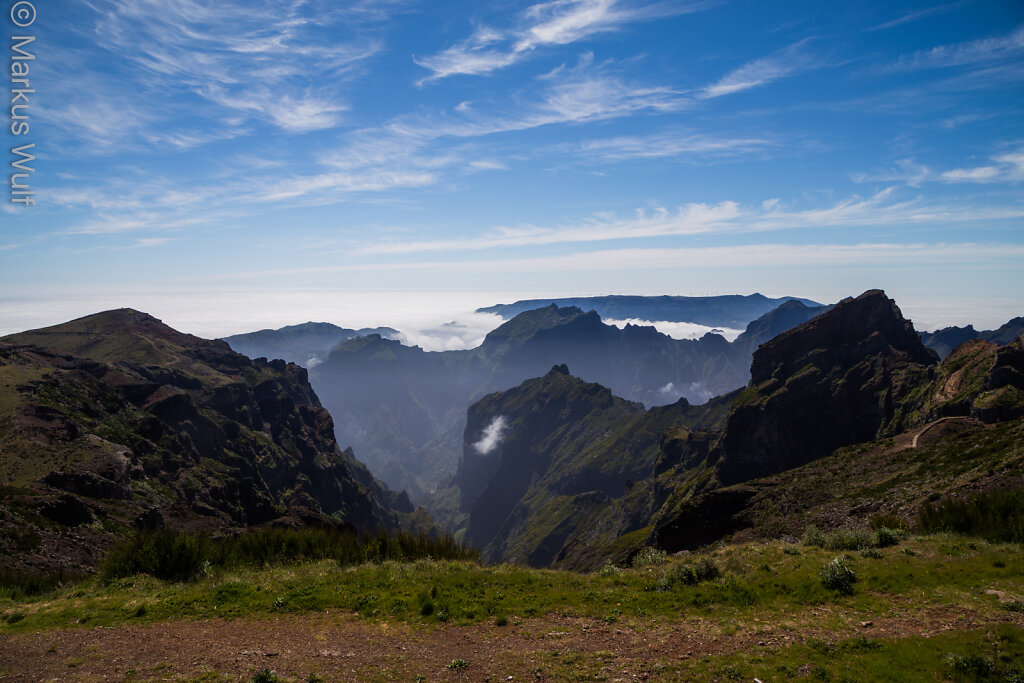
15 585
888 536
851 539
266 675
179 556
847 538
838 576
703 570
996 515
649 557
814 536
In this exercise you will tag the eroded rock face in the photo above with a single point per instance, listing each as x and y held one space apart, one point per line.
181 431
846 376
1002 397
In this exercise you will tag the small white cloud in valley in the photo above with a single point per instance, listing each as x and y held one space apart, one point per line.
492 436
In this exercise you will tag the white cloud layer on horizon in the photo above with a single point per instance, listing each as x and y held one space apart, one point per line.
677 330
467 331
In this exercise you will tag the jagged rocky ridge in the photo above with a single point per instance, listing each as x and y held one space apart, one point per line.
306 344
590 476
943 341
116 421
404 409
732 310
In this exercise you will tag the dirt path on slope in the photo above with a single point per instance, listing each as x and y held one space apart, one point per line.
345 648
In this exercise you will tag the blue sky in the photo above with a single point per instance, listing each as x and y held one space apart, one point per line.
226 164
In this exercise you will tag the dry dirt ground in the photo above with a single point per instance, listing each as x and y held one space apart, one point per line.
338 647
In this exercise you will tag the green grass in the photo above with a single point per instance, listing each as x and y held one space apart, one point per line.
762 579
853 538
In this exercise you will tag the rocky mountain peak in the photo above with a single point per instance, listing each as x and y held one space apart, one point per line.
842 377
855 328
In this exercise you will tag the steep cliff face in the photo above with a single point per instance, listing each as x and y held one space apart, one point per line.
832 389
1002 395
846 376
128 421
521 449
773 323
554 471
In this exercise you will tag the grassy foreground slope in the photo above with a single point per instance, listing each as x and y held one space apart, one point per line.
929 608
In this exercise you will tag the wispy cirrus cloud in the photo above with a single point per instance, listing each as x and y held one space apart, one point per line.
558 22
883 208
189 73
1005 167
758 72
1008 47
910 17
672 143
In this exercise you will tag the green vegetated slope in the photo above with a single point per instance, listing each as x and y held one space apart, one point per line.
115 421
573 478
926 608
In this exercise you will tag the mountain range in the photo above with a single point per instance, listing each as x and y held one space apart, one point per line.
733 311
115 422
944 340
306 344
561 471
404 409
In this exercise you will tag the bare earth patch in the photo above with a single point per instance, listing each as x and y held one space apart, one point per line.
342 647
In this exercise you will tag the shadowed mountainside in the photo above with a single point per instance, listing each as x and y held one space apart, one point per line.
115 421
404 409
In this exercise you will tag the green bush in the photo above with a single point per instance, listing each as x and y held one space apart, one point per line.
649 557
997 516
165 554
814 536
265 675
15 585
838 576
888 536
846 538
704 570
178 556
851 539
